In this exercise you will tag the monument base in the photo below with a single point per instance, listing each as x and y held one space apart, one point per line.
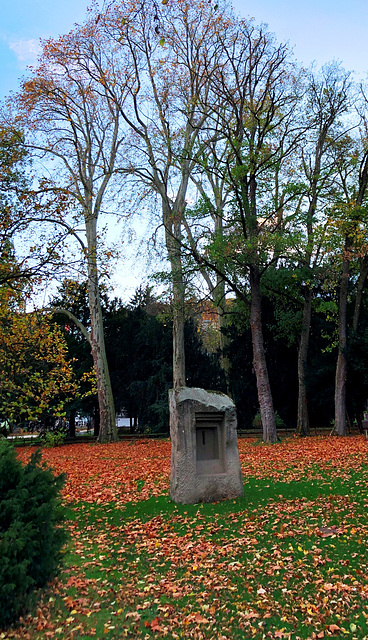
205 464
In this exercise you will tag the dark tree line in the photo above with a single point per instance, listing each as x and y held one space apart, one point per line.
139 351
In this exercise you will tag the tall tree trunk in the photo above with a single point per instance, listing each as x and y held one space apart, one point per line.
341 367
71 431
219 298
259 360
96 421
224 341
173 237
303 416
219 295
108 430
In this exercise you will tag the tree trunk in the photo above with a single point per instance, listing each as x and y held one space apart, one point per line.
173 236
219 295
259 360
341 367
108 431
219 298
303 417
224 341
72 423
96 421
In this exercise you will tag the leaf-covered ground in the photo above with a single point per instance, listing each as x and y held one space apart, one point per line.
289 560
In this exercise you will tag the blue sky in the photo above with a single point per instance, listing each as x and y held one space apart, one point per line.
319 30
22 24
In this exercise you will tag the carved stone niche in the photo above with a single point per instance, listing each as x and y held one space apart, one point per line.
205 465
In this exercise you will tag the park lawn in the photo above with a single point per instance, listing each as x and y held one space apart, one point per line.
289 560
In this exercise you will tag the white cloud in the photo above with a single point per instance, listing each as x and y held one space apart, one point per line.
26 51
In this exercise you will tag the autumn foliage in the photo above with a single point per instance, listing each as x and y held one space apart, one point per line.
114 472
286 561
36 377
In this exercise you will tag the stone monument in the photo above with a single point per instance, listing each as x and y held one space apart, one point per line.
205 465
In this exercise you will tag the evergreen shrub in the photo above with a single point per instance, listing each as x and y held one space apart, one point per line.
31 532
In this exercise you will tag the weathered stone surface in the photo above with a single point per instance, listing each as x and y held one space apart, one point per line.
205 465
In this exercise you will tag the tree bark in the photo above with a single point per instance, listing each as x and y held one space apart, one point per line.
96 421
108 430
173 238
219 295
341 367
259 360
303 415
224 341
72 423
219 298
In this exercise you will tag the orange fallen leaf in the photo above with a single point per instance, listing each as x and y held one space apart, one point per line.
200 619
154 624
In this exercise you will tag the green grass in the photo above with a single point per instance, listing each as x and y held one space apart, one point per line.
256 567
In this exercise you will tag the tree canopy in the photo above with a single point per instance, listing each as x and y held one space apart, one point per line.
257 166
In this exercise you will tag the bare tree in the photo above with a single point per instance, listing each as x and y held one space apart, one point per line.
352 168
328 98
173 52
72 120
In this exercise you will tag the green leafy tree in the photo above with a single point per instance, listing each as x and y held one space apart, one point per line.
256 131
328 99
36 378
348 237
